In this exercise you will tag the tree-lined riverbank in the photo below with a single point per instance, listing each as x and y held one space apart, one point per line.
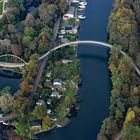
123 28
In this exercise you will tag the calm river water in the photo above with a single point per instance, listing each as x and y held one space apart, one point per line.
96 86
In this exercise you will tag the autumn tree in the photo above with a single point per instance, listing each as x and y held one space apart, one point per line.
46 122
26 88
20 105
29 21
109 127
30 70
16 49
40 111
6 102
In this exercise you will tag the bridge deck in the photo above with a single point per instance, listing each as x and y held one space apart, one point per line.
11 65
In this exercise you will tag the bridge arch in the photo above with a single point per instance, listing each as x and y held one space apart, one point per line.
88 42
7 60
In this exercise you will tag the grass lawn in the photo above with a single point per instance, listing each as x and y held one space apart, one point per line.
70 37
1 7
71 21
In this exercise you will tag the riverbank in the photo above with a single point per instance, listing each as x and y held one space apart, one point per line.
10 73
61 78
123 120
39 113
94 72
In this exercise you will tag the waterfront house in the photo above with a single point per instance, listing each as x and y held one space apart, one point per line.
66 61
70 29
56 94
53 117
57 82
75 1
49 111
49 102
40 102
64 40
69 14
48 74
36 125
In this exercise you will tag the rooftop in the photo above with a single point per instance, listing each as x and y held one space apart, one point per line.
58 81
55 94
70 11
40 102
36 123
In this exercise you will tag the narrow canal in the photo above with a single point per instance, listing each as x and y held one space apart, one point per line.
96 86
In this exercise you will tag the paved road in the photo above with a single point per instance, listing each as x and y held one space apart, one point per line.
119 136
42 66
9 117
44 61
11 65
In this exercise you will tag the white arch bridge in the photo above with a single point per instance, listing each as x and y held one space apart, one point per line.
11 61
20 62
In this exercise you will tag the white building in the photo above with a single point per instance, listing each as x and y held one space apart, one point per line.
69 14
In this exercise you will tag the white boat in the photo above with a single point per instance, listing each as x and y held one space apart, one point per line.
81 17
83 3
79 9
82 6
58 126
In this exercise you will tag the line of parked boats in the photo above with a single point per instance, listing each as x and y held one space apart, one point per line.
81 10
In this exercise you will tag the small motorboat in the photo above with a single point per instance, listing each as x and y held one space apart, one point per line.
81 6
83 3
81 17
79 9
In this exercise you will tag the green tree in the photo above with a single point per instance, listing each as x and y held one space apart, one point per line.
6 90
22 128
26 40
109 127
40 111
129 117
6 102
30 31
20 105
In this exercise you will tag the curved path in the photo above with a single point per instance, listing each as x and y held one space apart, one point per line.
12 65
86 42
97 43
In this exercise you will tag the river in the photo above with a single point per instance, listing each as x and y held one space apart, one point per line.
96 85
13 83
